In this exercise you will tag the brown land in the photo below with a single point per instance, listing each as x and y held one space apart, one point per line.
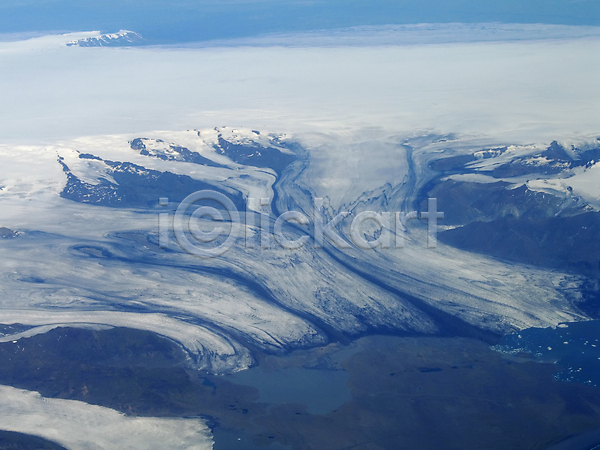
407 392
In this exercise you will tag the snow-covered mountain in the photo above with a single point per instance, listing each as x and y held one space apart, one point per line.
122 38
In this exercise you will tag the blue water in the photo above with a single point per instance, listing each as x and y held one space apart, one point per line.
574 346
322 391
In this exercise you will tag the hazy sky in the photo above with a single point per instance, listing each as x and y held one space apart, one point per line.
177 21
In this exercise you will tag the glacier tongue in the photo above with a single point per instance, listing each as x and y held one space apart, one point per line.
76 424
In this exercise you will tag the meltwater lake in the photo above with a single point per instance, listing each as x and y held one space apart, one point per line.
321 390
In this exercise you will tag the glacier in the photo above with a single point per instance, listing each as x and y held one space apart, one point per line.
85 260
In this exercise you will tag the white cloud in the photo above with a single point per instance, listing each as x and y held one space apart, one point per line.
529 90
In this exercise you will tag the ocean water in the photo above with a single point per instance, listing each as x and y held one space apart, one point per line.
574 346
